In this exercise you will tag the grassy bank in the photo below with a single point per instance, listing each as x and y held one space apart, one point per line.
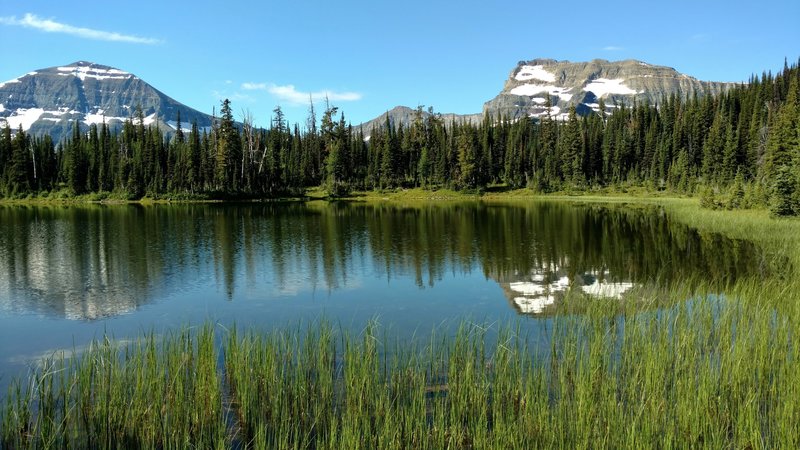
66 197
319 193
710 372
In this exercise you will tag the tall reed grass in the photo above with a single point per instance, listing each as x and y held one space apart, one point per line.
708 371
156 393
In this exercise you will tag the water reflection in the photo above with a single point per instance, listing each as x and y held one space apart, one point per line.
90 262
541 290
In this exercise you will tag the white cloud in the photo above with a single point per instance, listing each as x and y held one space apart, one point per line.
50 26
290 94
255 86
612 48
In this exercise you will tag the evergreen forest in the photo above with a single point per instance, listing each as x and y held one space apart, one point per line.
739 149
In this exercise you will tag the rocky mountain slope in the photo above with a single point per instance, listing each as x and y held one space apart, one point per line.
581 84
584 84
51 100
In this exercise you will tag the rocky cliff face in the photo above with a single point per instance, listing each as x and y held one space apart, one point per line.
52 100
531 84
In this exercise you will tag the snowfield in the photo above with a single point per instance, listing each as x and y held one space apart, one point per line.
603 87
534 73
84 72
24 117
529 90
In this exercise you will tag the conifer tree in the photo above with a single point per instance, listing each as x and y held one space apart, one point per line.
713 148
468 170
227 150
389 157
74 161
572 162
783 154
18 170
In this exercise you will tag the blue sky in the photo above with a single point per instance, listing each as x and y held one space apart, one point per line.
370 56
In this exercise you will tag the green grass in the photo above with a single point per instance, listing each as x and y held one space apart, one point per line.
708 372
154 393
65 196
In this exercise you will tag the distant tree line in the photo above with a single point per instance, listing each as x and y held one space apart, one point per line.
737 149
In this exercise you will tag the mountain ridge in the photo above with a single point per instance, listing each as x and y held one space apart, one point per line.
51 100
404 115
531 84
582 85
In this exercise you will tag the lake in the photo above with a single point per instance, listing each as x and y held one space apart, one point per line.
70 274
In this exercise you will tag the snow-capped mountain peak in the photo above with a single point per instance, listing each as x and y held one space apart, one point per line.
52 100
84 70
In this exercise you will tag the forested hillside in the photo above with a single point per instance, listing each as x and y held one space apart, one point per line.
737 149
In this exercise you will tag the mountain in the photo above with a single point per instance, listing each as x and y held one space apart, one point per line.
50 101
584 84
579 84
406 116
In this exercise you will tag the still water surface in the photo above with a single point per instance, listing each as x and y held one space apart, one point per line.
69 274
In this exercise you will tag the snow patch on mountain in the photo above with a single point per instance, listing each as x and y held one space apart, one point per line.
528 90
188 129
84 72
61 111
15 80
535 73
174 125
603 87
596 107
554 112
97 118
22 116
57 115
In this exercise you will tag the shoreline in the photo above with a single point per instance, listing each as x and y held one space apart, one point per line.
318 194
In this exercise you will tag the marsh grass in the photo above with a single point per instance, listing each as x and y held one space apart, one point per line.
155 393
706 370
